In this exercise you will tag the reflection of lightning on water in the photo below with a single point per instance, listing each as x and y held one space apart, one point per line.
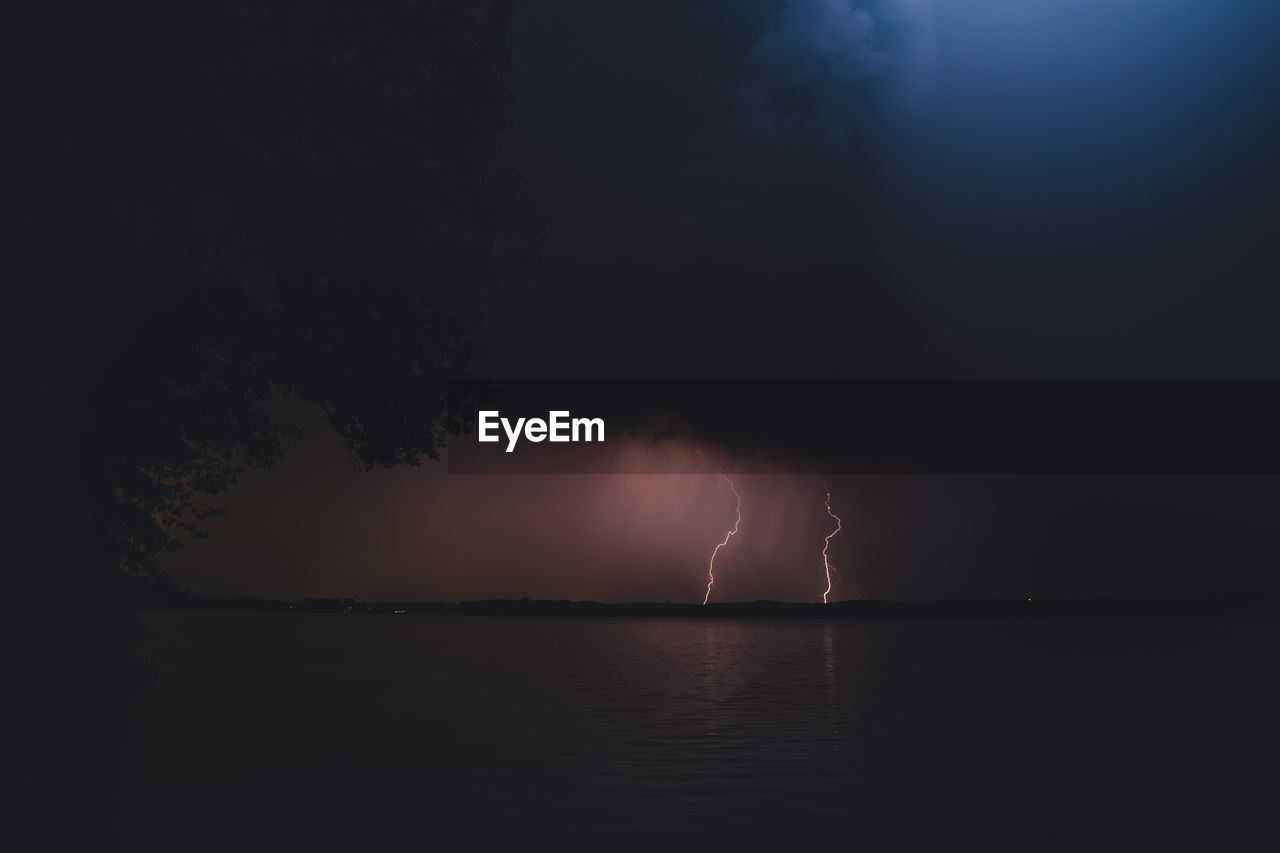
826 543
711 567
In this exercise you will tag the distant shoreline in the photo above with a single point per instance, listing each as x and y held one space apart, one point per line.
1251 607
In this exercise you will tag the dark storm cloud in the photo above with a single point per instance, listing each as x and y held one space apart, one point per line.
810 79
662 202
899 188
968 189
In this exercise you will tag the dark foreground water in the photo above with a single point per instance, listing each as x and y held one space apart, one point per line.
274 731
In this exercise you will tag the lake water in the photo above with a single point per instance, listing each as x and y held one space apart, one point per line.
322 731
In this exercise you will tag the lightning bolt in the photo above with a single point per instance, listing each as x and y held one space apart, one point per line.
711 566
826 543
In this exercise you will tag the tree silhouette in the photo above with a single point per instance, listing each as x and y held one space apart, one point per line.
253 200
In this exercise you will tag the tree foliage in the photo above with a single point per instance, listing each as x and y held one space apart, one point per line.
253 200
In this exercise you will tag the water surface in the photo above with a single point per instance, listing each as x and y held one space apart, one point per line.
269 730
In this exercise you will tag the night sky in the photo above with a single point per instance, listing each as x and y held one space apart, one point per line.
831 189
